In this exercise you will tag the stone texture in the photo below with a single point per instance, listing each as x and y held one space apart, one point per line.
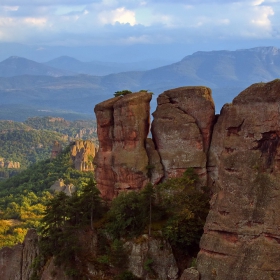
60 186
182 129
155 168
242 231
83 154
53 272
16 262
151 259
190 274
122 128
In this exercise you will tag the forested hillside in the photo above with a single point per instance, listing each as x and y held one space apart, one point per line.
23 197
32 140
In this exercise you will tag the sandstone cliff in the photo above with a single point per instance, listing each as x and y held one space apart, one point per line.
182 129
9 164
16 262
236 153
83 154
241 239
239 160
122 128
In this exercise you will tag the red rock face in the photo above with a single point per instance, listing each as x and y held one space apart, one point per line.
182 129
122 128
242 232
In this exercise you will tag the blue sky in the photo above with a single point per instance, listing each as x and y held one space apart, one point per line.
218 24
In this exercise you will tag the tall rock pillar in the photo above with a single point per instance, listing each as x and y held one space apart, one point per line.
182 129
242 231
122 128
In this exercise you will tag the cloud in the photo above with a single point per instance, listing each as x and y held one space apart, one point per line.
120 15
133 21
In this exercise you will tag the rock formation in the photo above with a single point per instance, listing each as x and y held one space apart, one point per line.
56 149
122 128
83 154
60 186
241 167
239 159
9 164
182 129
16 262
163 264
242 231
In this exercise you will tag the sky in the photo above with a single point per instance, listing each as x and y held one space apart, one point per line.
197 24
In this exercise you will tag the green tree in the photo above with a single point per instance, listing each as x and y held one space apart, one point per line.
186 209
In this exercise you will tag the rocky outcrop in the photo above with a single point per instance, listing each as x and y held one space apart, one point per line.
122 128
60 186
182 129
151 258
56 149
190 274
9 164
83 154
16 262
242 236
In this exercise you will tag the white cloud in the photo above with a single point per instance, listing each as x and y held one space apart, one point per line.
120 15
134 21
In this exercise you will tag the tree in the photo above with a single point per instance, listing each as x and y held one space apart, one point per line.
186 209
122 92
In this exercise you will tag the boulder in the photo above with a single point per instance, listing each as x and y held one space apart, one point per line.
241 237
182 128
190 274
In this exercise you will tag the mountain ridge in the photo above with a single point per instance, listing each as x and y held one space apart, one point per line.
226 72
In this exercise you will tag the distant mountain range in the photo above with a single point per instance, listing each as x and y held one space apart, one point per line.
16 66
226 72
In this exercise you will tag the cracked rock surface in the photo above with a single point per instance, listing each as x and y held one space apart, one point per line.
242 231
182 128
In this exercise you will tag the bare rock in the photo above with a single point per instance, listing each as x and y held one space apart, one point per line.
16 262
190 274
151 259
104 173
60 186
122 128
241 238
155 168
182 129
11 263
83 154
53 272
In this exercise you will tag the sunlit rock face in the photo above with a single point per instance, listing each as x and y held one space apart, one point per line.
182 129
122 128
242 231
82 154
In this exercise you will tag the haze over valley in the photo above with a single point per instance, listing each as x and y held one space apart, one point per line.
67 87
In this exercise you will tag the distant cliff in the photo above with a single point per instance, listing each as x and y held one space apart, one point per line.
9 164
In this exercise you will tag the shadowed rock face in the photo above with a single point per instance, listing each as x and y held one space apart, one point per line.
242 232
182 129
16 262
122 128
